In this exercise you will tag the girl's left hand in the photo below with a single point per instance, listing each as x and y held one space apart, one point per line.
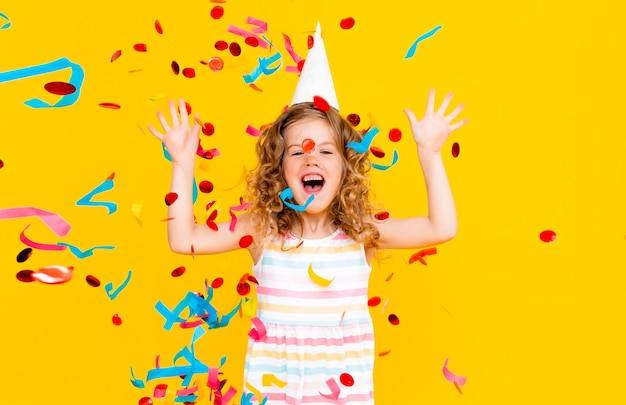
431 132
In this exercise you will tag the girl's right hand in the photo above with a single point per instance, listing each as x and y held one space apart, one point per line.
180 140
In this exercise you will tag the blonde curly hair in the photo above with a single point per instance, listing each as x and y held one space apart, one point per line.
351 207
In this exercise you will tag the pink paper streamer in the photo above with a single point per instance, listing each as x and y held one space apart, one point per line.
453 378
258 332
253 131
292 69
334 389
245 34
225 399
296 58
36 245
213 380
233 220
53 221
159 393
261 25
186 391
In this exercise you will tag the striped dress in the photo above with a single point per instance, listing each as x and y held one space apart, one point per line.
319 342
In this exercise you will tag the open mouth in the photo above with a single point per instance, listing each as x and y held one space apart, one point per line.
313 183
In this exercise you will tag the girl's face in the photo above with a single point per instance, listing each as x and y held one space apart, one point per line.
312 171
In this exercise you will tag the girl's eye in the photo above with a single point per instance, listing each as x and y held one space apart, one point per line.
297 153
326 152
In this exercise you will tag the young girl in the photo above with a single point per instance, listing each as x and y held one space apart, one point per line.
312 245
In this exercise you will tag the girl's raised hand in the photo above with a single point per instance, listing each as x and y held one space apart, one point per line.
180 140
433 129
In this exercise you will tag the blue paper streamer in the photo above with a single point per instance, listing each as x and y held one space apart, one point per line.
364 145
104 186
393 162
288 193
81 254
6 24
109 287
413 47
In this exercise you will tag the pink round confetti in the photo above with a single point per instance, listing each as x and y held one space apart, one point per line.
116 319
547 236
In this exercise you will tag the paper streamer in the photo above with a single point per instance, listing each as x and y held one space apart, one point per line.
393 162
364 145
53 221
261 27
76 80
81 254
254 393
109 287
334 389
250 130
413 47
102 187
288 193
264 68
258 332
7 24
233 220
317 279
271 379
453 378
36 245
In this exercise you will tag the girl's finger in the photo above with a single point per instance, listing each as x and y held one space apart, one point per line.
182 110
458 125
174 113
430 105
411 116
455 112
444 104
163 121
156 133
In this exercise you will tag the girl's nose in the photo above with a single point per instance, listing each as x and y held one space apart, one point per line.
311 159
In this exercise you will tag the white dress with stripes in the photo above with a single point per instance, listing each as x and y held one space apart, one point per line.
319 341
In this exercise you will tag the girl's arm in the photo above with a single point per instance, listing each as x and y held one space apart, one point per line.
184 236
430 134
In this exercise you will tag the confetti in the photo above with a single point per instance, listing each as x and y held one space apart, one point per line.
102 187
379 153
116 55
271 379
24 255
453 378
252 41
354 119
92 281
53 221
140 47
216 64
175 67
170 198
7 24
385 167
205 186
217 12
111 106
288 193
255 87
53 274
372 302
308 145
208 129
116 319
158 27
334 389
245 241
381 216
395 134
347 23
189 73
234 48
109 286
413 47
37 245
178 271
393 319
59 88
321 103
547 236
346 379
217 283
145 400
221 45
258 331
81 254
25 276
456 149
364 144
384 353
420 255
323 282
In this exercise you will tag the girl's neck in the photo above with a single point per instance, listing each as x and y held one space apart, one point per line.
313 227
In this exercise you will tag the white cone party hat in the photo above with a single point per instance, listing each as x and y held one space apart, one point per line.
315 78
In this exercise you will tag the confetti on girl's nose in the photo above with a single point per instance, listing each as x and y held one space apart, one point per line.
347 23
59 88
321 103
456 149
547 236
308 145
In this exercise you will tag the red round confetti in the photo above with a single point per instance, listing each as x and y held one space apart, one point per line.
208 129
59 88
145 401
393 319
216 64
112 106
234 49
206 187
25 276
24 255
354 119
245 241
217 283
347 23
381 216
217 12
456 149
243 288
308 145
140 47
547 236
170 198
187 107
178 271
189 72
158 27
321 103
310 41
346 379
252 41
92 281
175 67
221 45
379 153
117 319
372 302
116 55
1 164
395 135
301 65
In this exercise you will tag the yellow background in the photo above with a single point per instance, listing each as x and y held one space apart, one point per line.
523 320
